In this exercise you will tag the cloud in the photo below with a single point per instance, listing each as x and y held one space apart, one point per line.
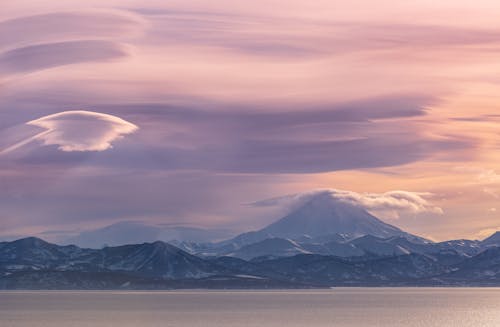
68 26
219 137
393 201
482 175
78 131
390 204
43 56
289 38
490 118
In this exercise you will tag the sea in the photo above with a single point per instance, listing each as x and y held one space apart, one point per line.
339 307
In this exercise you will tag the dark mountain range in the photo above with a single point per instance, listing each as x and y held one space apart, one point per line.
32 263
482 269
156 259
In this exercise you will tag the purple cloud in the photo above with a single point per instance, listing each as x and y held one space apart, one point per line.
43 56
344 136
68 26
278 38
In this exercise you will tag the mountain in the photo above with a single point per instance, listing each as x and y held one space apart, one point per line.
482 270
336 249
493 240
32 263
399 245
380 246
271 247
409 269
366 245
35 254
465 247
156 259
130 232
325 217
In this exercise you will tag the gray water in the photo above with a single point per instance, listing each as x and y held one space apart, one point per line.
409 307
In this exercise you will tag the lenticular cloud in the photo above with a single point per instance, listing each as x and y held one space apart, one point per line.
78 131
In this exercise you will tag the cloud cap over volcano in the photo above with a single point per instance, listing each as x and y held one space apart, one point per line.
392 203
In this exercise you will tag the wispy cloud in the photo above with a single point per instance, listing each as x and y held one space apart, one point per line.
43 56
69 26
481 175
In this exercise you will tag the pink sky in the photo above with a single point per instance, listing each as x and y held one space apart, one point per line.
238 101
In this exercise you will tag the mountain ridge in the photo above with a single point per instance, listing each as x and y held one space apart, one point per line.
160 265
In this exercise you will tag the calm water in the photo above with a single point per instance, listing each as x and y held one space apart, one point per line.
408 307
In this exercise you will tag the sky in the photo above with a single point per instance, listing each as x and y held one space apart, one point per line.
194 112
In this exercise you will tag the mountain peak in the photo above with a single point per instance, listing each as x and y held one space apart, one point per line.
30 241
323 214
494 239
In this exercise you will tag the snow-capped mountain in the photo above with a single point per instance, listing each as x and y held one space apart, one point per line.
325 217
32 263
366 245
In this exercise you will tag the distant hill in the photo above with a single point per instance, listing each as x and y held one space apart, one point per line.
129 232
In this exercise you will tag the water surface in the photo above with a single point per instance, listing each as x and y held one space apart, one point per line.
410 307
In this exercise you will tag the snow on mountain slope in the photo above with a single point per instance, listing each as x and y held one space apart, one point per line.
379 246
155 259
271 247
323 216
33 263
